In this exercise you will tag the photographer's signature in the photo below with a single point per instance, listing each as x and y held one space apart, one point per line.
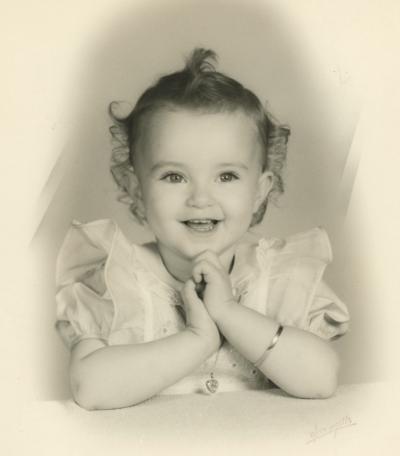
320 432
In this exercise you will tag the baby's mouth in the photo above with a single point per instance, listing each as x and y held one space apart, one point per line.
201 225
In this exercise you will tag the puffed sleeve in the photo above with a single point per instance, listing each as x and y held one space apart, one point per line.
91 264
296 293
327 315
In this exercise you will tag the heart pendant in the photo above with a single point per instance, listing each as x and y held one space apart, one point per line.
212 385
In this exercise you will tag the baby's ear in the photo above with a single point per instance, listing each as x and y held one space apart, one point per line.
264 186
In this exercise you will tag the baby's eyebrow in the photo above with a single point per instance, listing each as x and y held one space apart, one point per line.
233 165
165 164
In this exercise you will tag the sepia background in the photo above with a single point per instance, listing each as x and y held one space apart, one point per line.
327 70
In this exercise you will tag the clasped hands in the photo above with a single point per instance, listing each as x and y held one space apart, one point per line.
208 297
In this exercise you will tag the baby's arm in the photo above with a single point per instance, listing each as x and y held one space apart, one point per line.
301 363
106 377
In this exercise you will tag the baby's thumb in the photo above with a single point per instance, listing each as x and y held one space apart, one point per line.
193 305
189 293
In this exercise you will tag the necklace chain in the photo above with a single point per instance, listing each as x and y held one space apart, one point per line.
212 383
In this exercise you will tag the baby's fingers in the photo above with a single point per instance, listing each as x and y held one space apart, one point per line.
198 319
205 270
194 307
189 294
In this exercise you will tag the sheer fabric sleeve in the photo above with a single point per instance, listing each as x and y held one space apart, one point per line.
296 293
327 316
91 264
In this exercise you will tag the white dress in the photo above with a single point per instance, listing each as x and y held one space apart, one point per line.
119 292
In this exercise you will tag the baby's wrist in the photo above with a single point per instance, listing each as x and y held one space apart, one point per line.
224 311
208 341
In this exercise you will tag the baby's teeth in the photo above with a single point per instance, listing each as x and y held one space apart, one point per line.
201 225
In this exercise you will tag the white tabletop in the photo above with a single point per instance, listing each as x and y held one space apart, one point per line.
359 419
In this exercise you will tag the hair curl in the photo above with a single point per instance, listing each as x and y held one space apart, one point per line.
198 86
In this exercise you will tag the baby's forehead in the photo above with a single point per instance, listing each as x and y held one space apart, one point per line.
179 133
177 119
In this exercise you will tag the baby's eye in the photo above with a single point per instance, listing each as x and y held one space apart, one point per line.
173 178
228 177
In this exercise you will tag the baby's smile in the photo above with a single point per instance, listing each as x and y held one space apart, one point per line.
202 225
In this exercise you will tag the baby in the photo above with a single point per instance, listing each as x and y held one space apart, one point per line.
199 309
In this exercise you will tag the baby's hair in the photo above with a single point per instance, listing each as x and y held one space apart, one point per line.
197 87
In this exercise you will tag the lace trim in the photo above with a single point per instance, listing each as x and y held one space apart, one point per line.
154 282
263 251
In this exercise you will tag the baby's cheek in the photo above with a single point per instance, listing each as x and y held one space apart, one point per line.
157 201
242 201
242 213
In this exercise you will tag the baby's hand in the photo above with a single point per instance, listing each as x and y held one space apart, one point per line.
213 284
198 319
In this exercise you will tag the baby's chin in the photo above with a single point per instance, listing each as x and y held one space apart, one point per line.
222 254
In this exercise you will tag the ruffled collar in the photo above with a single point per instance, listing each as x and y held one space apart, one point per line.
146 258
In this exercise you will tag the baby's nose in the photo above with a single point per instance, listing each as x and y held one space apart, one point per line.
199 196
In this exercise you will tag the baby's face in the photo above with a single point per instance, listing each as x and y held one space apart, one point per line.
201 179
